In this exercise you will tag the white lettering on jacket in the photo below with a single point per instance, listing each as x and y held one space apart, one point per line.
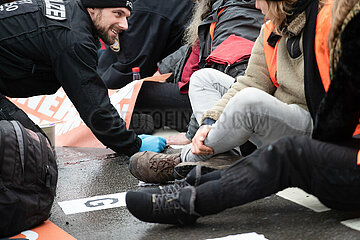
55 9
12 6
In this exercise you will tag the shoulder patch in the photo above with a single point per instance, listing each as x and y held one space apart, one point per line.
55 9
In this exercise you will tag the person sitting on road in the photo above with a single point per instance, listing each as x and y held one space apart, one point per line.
168 102
326 166
265 104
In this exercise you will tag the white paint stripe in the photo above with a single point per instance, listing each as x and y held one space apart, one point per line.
352 223
93 203
302 198
243 236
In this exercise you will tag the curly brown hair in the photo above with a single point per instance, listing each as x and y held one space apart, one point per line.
201 9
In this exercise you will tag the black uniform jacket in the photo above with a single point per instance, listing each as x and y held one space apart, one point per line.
48 44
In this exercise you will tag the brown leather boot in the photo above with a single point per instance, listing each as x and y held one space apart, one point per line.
217 162
153 167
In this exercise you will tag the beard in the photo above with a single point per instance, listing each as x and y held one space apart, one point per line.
103 32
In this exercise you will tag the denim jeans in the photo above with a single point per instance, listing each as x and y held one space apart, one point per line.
251 114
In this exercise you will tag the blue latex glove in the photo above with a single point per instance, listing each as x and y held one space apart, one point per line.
152 143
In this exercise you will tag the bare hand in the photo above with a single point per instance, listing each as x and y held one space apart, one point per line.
178 139
198 147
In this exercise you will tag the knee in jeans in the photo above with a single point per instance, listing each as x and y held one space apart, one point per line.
248 101
201 78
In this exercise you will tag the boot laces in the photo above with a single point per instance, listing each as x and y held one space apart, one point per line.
174 188
162 165
166 203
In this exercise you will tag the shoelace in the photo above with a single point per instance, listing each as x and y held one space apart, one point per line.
175 187
162 165
166 203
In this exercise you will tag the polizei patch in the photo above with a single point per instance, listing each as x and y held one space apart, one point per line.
55 9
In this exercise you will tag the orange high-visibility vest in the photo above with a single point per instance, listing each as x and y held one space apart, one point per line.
321 47
323 25
212 29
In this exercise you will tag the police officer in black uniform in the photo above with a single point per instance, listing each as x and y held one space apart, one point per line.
48 44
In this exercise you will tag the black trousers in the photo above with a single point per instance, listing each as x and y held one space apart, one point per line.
327 171
9 111
165 103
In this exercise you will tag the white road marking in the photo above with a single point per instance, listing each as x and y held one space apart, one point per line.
302 198
352 223
93 203
243 236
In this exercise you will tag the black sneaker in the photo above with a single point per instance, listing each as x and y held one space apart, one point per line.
177 208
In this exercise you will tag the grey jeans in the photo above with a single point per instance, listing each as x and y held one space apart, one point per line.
251 114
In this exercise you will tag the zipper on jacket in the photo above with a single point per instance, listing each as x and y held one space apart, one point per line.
22 143
45 174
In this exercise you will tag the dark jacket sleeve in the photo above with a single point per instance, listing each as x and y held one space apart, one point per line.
170 63
339 111
76 71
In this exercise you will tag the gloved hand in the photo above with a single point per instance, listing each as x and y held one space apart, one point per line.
152 143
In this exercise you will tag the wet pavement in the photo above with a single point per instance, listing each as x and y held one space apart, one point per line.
86 172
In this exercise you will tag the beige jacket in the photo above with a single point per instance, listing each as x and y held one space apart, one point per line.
290 76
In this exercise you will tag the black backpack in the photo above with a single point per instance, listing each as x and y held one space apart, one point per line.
28 178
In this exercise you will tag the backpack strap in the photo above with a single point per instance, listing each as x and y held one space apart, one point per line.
212 29
44 159
270 52
20 139
2 148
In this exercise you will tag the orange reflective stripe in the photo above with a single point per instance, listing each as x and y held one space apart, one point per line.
321 46
358 158
270 53
212 29
357 130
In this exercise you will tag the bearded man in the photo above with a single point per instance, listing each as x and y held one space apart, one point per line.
48 44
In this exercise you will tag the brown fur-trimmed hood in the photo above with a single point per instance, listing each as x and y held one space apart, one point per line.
343 11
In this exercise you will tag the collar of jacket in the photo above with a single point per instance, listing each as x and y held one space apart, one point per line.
90 24
294 27
295 22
